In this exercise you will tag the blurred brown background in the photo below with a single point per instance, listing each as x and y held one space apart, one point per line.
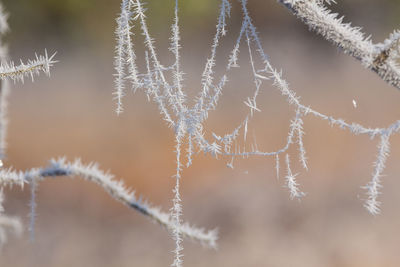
72 114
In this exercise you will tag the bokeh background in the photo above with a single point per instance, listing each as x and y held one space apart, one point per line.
71 114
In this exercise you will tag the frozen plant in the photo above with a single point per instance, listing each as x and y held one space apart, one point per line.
187 119
116 189
61 168
380 58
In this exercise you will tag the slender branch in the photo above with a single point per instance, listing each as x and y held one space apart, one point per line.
373 187
291 182
116 189
31 68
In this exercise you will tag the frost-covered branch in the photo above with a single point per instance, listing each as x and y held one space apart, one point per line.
41 63
291 182
302 110
116 189
16 73
188 122
377 57
372 204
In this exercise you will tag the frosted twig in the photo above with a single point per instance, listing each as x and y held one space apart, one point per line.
33 205
390 43
176 210
173 101
116 189
154 91
187 122
119 63
125 54
300 134
207 77
291 182
175 49
29 69
189 150
372 204
350 39
292 99
16 73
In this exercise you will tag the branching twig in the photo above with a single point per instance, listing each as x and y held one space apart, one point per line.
31 68
188 122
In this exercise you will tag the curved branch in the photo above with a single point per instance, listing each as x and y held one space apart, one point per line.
116 189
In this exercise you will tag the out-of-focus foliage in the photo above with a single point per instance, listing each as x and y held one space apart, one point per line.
93 20
77 18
